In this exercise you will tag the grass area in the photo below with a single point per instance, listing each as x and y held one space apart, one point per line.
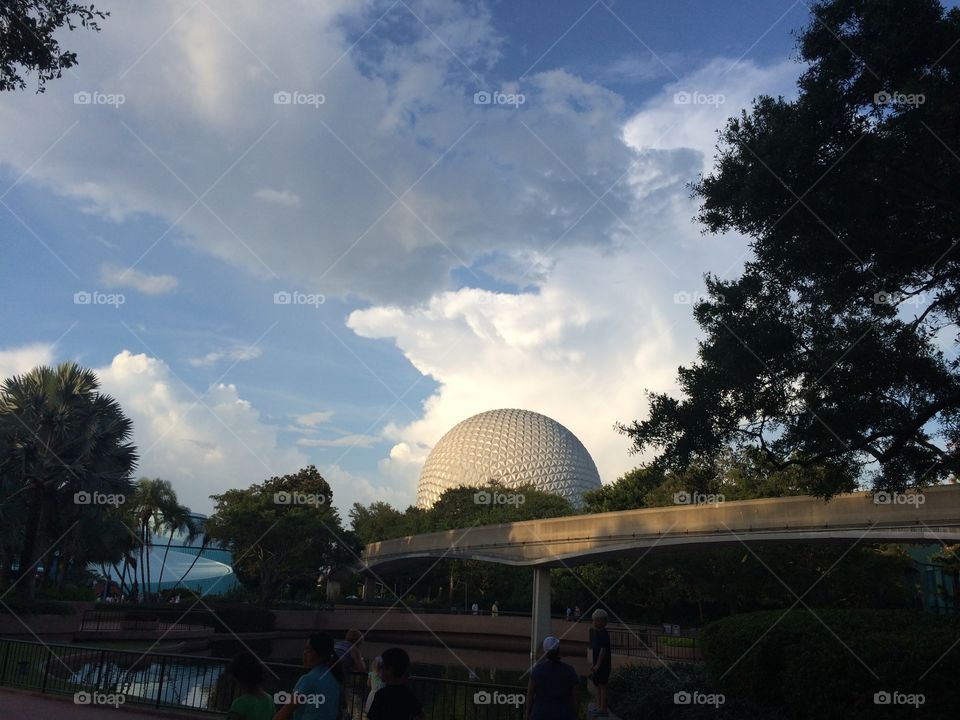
674 641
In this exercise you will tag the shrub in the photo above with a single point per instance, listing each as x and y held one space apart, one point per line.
810 665
646 692
81 593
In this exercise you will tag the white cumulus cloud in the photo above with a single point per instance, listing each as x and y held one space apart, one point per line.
602 325
18 360
203 443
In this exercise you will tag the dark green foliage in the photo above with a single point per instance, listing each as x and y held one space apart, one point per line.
27 42
798 665
647 692
59 436
282 532
825 353
693 587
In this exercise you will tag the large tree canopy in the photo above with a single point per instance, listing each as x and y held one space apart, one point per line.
836 347
281 531
27 41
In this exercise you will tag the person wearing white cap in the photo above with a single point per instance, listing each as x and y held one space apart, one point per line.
553 692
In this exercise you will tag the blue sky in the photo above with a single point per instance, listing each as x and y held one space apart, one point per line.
468 256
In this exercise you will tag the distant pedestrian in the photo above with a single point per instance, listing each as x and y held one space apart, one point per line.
553 691
495 609
318 694
600 646
577 613
252 703
476 608
569 614
395 700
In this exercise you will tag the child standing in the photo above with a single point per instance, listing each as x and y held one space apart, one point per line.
253 703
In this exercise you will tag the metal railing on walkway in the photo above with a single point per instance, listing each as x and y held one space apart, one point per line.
158 620
185 682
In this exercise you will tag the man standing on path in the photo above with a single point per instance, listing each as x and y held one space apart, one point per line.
600 672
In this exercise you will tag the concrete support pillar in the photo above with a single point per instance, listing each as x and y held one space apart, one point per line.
540 615
369 588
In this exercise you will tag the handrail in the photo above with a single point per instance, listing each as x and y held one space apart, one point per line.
173 680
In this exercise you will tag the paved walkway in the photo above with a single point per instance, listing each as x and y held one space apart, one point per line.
608 716
30 706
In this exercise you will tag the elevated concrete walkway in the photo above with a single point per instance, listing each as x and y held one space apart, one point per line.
933 517
580 539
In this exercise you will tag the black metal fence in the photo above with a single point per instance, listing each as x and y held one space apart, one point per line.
653 644
127 677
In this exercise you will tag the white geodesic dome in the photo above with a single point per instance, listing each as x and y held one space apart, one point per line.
513 447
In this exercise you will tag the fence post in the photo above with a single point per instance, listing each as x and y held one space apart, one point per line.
163 665
46 672
6 660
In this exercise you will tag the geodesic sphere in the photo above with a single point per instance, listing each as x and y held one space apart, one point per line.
513 447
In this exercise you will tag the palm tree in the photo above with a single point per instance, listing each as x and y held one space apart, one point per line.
204 544
59 435
103 539
157 510
178 521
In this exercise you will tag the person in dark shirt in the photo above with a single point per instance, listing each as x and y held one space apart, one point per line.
553 692
600 672
395 700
